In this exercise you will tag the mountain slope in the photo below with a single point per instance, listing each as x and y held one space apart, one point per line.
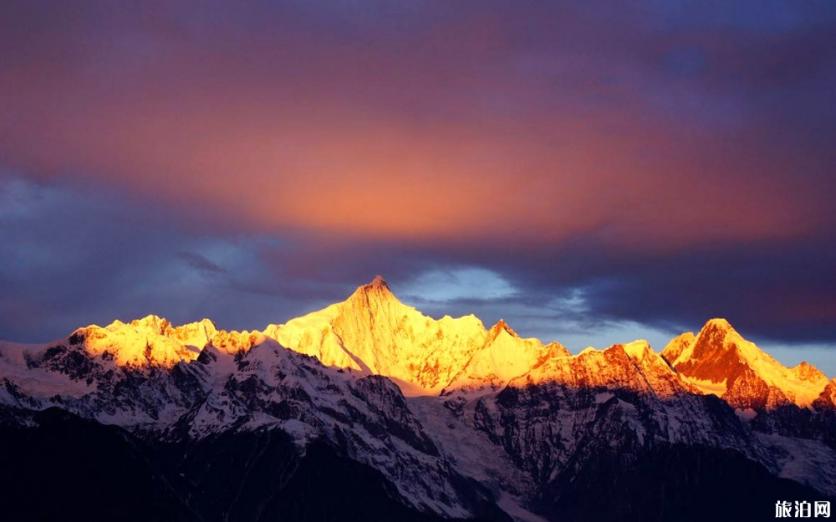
522 429
503 356
265 388
720 361
373 331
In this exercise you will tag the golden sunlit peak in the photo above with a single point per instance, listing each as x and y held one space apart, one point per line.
152 321
501 326
718 323
720 329
721 362
377 284
807 371
426 355
377 291
637 349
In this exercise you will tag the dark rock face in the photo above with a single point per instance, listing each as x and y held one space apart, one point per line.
616 455
668 483
66 468
270 434
546 428
63 467
261 476
387 402
793 421
67 360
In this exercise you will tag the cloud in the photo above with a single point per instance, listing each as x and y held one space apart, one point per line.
452 284
407 122
201 263
72 255
577 167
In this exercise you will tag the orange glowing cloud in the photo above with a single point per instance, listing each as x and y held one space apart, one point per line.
416 140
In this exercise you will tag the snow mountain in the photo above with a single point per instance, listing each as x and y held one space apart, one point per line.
370 410
718 360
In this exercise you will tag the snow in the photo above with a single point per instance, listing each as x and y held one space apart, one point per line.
637 349
504 357
803 391
706 386
474 455
697 357
807 461
373 331
37 383
149 340
311 371
513 507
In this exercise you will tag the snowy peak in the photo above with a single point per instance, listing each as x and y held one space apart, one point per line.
374 294
499 328
153 341
378 282
638 349
503 357
677 345
719 324
374 332
631 366
713 352
827 398
374 302
523 418
149 341
808 372
718 360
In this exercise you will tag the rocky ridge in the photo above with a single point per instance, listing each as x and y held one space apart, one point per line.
422 401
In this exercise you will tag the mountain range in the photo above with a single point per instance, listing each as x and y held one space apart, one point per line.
370 410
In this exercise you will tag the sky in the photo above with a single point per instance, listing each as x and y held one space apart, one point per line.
592 172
